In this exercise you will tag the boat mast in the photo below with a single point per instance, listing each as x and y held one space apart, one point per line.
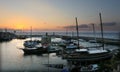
77 30
66 32
72 34
101 24
94 31
31 33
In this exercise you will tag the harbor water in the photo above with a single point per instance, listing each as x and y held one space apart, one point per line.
14 60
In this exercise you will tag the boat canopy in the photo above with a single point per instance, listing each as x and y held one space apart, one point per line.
96 51
71 46
39 45
81 50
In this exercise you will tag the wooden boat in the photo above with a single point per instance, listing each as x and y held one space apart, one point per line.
87 54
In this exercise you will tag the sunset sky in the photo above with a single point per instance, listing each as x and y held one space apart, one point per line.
58 15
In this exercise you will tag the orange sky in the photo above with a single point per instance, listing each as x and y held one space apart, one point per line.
24 23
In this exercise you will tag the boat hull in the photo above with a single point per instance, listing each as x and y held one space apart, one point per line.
34 51
88 58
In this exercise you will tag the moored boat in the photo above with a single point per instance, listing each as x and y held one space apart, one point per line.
38 49
87 54
31 43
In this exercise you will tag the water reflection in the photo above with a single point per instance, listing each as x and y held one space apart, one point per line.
13 59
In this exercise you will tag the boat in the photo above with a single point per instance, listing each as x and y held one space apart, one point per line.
89 68
21 37
94 32
92 41
87 55
34 47
38 49
31 43
83 54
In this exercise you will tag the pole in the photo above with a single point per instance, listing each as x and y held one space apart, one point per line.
77 30
101 24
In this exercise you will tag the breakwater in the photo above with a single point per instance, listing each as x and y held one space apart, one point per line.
6 36
99 40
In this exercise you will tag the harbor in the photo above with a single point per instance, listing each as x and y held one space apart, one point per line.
59 36
53 53
14 59
56 53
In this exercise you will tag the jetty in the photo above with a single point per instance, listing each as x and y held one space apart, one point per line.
6 36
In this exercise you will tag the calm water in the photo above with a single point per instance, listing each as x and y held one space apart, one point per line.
13 59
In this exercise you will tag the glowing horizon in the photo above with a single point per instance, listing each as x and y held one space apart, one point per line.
55 14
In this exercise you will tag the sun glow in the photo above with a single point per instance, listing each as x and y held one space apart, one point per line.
19 26
19 22
24 23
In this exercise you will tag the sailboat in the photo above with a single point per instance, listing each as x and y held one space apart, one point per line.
87 54
31 43
35 47
32 46
94 40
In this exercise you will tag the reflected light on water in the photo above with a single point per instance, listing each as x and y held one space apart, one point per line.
13 59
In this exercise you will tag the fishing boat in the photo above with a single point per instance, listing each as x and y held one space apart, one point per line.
34 47
31 43
38 49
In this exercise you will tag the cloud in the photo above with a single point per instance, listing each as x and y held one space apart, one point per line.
109 24
83 26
